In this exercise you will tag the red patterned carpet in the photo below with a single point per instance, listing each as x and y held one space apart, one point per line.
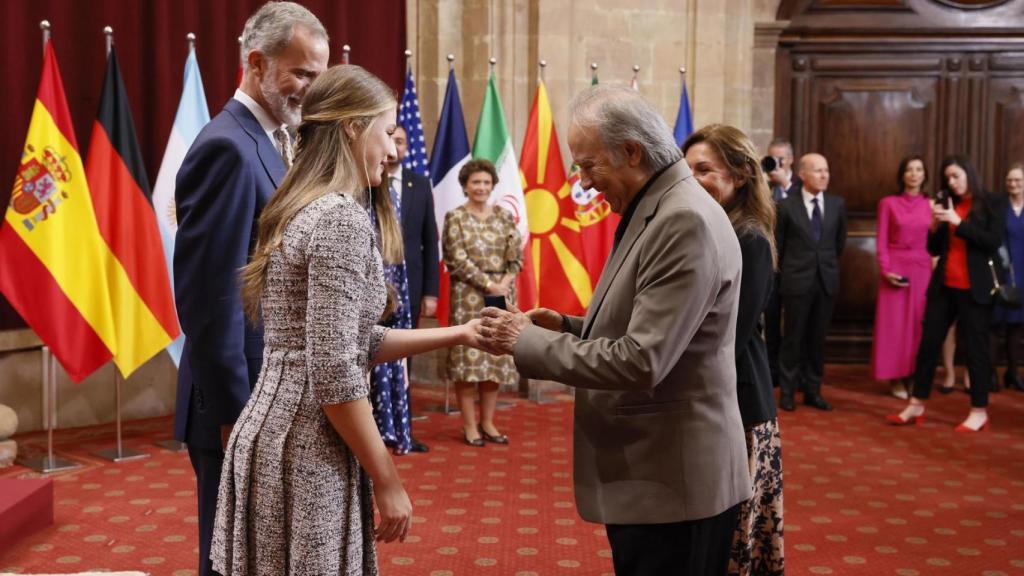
861 497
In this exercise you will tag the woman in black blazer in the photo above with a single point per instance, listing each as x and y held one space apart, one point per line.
726 164
965 236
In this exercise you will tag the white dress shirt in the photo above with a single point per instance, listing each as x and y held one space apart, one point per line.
810 207
266 121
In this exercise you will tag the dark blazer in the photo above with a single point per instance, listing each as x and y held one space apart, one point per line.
419 235
983 233
802 261
228 175
753 378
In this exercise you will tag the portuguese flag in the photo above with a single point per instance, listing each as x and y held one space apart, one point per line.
55 263
141 300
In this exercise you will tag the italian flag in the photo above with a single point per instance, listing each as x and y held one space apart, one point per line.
493 142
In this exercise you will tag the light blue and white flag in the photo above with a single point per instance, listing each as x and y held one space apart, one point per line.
192 115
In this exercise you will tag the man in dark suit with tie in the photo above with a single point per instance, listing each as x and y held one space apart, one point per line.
228 175
419 239
419 231
810 235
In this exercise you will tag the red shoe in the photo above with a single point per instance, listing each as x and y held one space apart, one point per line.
965 428
897 420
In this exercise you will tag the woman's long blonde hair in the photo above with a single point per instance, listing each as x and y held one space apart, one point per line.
392 249
343 96
752 207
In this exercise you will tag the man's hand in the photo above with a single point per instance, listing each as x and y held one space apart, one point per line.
428 306
546 318
501 329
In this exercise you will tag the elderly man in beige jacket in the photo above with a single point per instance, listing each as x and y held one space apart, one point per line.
659 449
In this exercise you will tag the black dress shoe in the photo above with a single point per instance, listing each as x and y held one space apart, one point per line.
499 439
787 403
816 401
417 446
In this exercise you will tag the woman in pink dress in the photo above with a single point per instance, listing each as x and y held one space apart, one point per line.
905 268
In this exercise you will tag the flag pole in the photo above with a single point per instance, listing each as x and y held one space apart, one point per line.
408 60
593 71
45 27
451 61
118 454
346 54
48 463
241 53
172 444
543 64
447 381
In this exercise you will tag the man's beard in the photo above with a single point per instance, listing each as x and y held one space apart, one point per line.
278 103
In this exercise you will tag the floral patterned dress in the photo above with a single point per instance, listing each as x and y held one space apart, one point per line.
478 251
389 389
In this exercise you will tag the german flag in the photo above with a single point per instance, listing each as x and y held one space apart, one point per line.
141 300
54 261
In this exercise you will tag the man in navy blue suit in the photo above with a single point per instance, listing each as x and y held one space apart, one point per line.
228 175
419 238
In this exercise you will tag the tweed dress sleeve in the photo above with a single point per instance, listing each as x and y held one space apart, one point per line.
338 259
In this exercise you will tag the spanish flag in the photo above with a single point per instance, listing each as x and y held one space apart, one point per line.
141 300
556 249
55 264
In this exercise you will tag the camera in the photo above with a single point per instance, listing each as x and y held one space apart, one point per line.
943 197
771 163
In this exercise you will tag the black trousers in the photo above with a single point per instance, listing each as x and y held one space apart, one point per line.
207 464
805 322
691 548
1012 334
945 306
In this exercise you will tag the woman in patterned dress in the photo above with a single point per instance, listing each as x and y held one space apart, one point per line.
305 464
389 390
483 253
726 164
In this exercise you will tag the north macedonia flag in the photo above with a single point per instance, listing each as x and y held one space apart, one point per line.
555 249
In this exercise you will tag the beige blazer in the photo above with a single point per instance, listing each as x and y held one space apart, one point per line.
657 432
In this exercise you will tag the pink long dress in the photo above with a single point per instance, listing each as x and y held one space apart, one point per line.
902 249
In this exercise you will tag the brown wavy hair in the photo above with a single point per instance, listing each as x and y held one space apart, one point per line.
343 96
751 207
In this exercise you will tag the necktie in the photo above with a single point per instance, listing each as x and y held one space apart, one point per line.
396 195
816 220
778 193
284 146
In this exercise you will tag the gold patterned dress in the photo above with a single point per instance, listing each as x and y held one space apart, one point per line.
478 251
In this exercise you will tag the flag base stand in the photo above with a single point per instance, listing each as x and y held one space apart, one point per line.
121 455
47 464
50 462
173 445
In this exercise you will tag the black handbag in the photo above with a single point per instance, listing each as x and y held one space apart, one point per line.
1005 295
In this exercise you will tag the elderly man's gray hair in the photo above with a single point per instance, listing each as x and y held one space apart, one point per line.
620 114
270 29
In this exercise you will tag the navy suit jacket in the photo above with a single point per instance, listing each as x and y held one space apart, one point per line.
419 237
226 179
802 261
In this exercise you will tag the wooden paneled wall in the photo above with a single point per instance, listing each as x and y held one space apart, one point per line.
867 82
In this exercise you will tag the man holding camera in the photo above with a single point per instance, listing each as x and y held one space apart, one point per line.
778 165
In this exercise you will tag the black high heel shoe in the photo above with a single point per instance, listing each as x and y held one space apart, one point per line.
499 439
476 443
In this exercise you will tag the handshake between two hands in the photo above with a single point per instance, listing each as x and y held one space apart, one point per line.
497 330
